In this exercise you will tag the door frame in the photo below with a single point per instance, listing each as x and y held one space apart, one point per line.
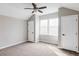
61 31
27 28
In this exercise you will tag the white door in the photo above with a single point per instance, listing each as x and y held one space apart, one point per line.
31 31
69 31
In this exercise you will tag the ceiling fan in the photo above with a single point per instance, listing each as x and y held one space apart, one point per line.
35 8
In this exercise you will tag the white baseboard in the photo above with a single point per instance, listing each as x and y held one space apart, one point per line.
12 44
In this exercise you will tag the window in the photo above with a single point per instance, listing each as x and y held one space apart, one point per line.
49 27
53 26
44 27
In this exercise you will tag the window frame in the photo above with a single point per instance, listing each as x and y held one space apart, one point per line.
47 26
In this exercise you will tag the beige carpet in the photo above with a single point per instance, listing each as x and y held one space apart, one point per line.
28 49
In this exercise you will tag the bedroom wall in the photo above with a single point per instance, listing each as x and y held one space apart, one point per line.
36 28
12 31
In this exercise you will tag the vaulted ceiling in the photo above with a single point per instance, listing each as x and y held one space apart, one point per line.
17 9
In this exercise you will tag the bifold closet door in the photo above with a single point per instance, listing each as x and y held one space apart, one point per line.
69 32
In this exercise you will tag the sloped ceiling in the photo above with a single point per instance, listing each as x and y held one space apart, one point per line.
53 7
17 9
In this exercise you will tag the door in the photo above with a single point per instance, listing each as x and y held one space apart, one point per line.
69 31
31 31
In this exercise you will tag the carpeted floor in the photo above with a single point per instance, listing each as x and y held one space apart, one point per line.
28 49
36 49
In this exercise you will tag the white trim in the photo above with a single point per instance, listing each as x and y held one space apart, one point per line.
12 44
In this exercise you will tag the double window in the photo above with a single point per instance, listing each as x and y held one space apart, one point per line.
49 27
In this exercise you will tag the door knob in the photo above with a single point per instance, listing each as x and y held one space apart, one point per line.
63 34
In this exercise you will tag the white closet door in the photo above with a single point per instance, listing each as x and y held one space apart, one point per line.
69 32
31 31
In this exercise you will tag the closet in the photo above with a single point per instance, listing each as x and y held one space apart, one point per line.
70 32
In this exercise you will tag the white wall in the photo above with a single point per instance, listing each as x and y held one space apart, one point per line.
36 28
12 31
48 16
